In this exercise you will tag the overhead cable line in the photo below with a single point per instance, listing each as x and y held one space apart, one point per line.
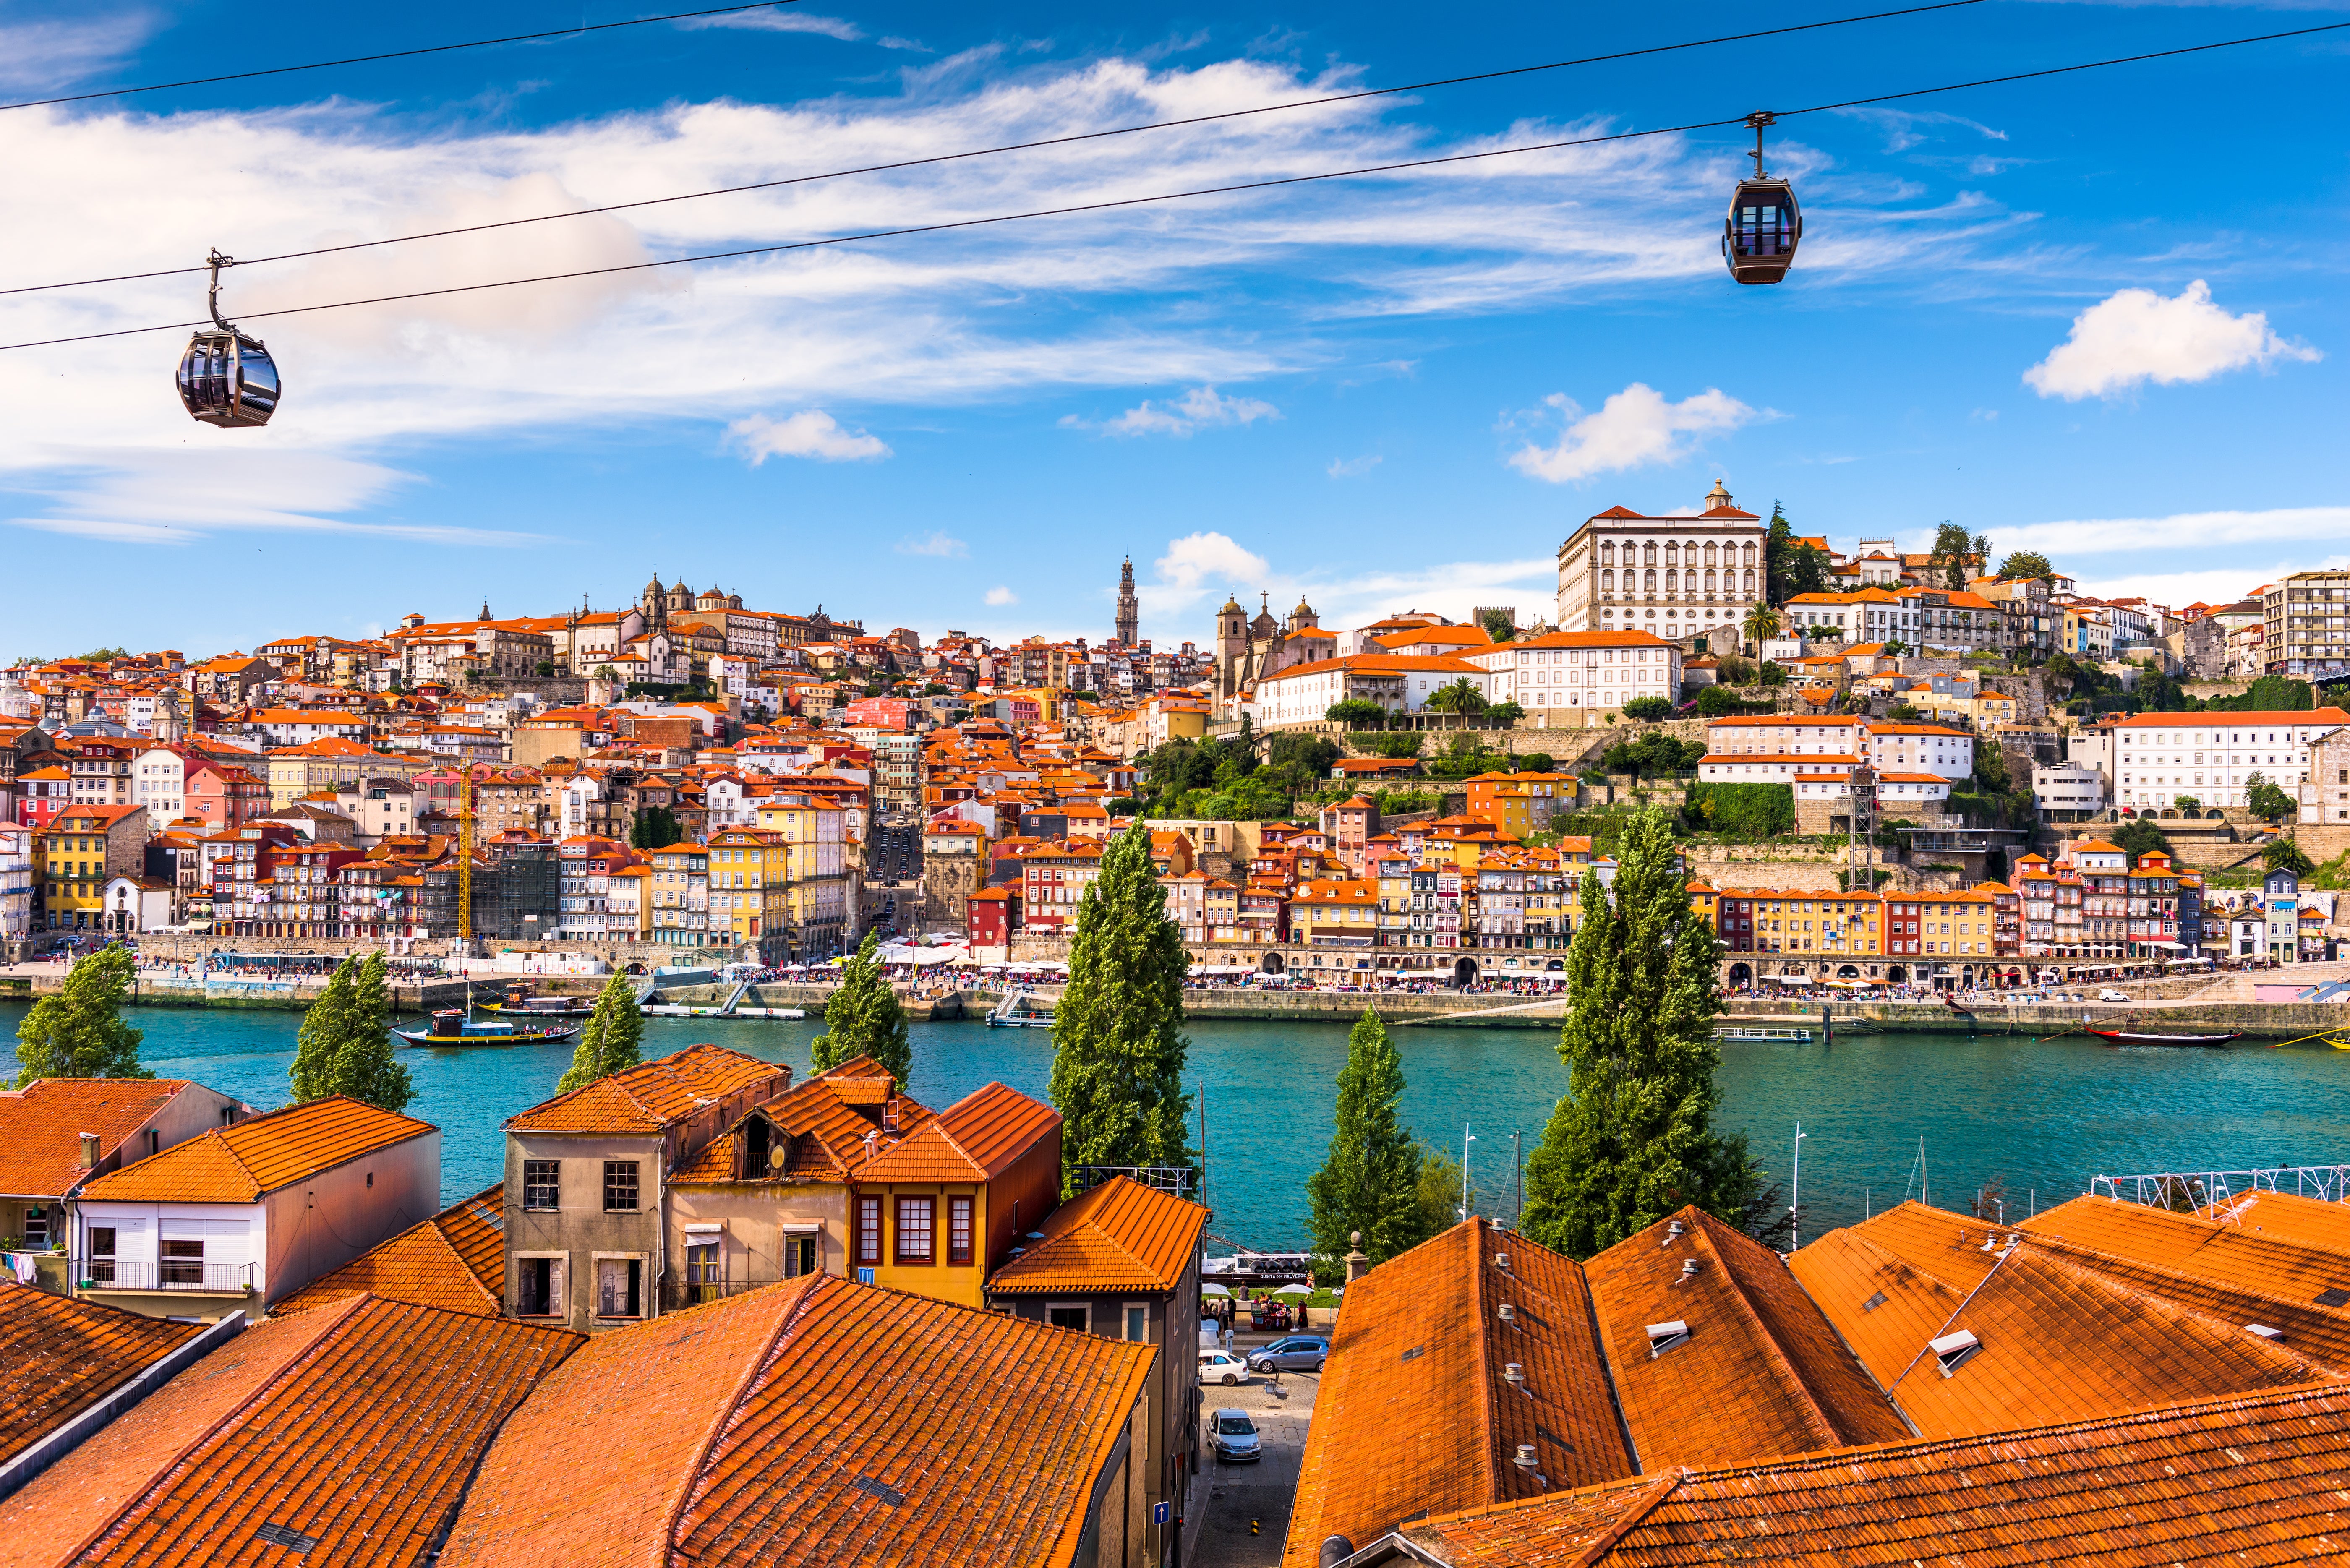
1029 146
1203 191
401 54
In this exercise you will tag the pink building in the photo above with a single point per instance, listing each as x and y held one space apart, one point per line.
224 795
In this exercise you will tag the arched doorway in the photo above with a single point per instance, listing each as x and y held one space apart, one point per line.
1272 965
1897 975
1848 971
1740 975
1464 972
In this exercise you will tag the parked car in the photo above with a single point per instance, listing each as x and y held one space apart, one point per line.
1234 1437
1295 1353
2111 996
1222 1367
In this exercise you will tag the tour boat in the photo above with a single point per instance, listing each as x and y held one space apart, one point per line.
520 1004
2130 1037
452 1026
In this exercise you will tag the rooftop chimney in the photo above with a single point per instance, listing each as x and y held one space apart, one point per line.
89 1151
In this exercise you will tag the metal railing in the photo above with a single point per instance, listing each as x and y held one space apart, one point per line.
1179 1179
169 1274
2187 1192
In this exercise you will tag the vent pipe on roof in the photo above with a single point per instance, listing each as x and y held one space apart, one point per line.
1672 1233
1335 1549
1515 1374
1509 1313
89 1151
1502 1262
1689 1269
1525 1457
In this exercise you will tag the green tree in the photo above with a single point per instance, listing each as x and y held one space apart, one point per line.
80 1032
2188 805
1461 697
1118 1034
654 827
1369 1182
1762 625
1358 713
1649 710
1633 1139
1772 673
1952 546
2141 836
2024 565
609 1043
2265 800
1498 625
1442 1203
326 1023
1504 715
1778 553
1714 702
2284 855
365 1066
1300 760
863 1017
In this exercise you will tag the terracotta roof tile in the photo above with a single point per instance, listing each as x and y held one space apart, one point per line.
357 1426
812 1422
2250 1480
648 1097
976 1138
41 1126
1760 1361
1415 1413
238 1164
456 1259
821 1125
58 1355
1119 1236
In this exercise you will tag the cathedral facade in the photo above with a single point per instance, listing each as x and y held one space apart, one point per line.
1247 651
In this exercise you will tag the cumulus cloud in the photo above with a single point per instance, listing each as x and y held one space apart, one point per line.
1194 558
1198 409
1348 467
811 432
2137 336
1633 427
1001 595
932 543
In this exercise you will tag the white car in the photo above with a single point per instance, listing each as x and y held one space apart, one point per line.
1221 1366
2111 996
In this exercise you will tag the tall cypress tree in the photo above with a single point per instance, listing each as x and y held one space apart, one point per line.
609 1043
1118 1034
1633 1139
863 1017
326 1025
80 1032
365 1067
1369 1183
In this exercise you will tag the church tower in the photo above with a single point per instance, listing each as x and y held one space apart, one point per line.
1129 610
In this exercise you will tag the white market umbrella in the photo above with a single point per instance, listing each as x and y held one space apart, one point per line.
1213 1291
1294 1291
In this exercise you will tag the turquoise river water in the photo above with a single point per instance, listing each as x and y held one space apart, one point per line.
2034 1117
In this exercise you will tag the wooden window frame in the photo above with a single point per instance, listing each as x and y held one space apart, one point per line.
928 1206
1084 1307
556 1167
628 1173
869 1231
959 1209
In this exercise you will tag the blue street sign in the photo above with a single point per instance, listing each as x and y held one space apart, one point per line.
1160 1511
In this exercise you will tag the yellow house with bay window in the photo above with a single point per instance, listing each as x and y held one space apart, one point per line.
937 1210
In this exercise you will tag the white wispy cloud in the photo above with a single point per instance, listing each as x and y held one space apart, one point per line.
2138 336
1201 407
1001 595
1348 467
811 432
53 52
932 543
2063 540
1633 427
779 20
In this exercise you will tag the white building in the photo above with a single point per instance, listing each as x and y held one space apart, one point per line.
2307 625
1402 683
2159 757
1770 748
2325 792
1671 576
2067 791
1563 674
243 1216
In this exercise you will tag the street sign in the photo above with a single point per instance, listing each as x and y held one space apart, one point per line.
1161 1511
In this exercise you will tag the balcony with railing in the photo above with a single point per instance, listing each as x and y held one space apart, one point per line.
190 1275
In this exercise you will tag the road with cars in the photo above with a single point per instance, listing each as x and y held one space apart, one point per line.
1229 1498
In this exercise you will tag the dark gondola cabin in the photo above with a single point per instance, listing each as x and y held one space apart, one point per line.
227 379
1759 238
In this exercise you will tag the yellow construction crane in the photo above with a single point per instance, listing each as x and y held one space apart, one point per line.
465 851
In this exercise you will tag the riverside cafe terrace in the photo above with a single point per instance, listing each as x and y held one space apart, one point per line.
1790 978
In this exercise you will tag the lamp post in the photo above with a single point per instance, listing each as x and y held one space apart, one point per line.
1794 1206
1467 1137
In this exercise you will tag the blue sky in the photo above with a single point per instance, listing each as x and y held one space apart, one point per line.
2091 315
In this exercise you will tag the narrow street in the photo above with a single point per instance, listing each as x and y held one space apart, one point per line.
1235 1496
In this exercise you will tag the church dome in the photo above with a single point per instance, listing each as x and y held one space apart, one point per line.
1231 607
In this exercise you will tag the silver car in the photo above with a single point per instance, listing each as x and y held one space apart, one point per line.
1234 1437
1291 1352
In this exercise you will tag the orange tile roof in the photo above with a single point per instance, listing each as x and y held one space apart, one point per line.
356 1426
2252 1481
59 1355
813 1422
977 1137
455 1260
41 1126
1760 1359
1119 1236
648 1097
821 1127
1416 1414
238 1164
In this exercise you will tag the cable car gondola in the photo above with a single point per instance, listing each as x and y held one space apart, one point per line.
227 379
1759 240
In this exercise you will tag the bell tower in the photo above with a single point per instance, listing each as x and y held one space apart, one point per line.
1129 609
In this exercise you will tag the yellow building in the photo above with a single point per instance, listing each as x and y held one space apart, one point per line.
85 845
818 918
296 771
945 1200
678 895
750 890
